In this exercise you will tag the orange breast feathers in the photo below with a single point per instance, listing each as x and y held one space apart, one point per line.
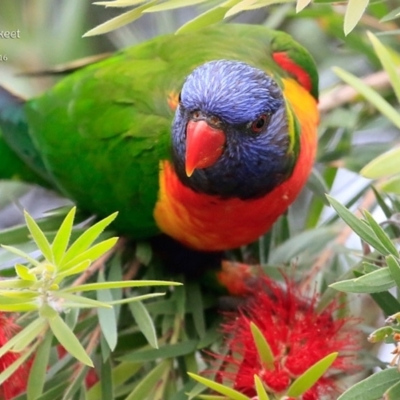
209 223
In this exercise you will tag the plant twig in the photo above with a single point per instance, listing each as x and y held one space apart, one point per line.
93 342
343 94
132 270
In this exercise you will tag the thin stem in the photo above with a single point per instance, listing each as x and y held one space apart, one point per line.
343 94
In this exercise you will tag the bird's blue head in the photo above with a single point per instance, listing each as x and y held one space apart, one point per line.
230 133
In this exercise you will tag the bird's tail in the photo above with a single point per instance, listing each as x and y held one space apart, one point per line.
19 159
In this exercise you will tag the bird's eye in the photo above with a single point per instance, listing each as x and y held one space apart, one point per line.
260 123
196 114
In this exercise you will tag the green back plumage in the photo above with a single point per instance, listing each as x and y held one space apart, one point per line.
102 131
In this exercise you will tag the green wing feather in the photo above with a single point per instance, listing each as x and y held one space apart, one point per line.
19 159
102 131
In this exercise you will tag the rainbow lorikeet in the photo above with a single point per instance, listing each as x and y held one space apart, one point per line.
206 136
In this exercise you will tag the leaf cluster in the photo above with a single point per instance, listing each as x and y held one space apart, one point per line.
43 290
221 11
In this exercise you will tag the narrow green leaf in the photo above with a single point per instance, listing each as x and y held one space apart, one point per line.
381 234
144 322
297 244
92 254
317 184
381 201
373 387
371 95
121 284
392 15
239 7
263 348
120 20
263 3
15 284
119 3
39 237
76 269
261 392
84 301
37 374
380 275
194 300
15 296
387 62
374 282
387 302
385 165
394 268
107 317
22 254
135 298
25 273
311 376
48 312
54 392
26 335
26 340
68 340
359 227
87 238
147 384
354 11
120 374
246 5
209 17
60 242
167 351
19 306
106 381
172 5
302 4
217 387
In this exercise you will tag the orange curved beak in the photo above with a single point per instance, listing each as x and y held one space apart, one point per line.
204 145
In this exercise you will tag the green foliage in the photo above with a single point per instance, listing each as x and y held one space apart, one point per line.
263 348
311 376
223 10
375 279
43 290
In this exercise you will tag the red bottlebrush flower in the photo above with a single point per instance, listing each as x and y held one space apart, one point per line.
297 334
16 383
